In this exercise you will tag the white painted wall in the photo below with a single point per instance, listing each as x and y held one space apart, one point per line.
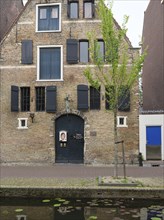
150 120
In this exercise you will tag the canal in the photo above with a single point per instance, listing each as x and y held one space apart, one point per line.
81 209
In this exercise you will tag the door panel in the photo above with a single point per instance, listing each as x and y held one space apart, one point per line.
153 142
71 151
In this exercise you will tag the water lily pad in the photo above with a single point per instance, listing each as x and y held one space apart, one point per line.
57 205
61 200
92 217
45 200
18 210
155 218
5 212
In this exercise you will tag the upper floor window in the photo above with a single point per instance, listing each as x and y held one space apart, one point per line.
73 10
48 17
100 50
88 9
84 51
50 63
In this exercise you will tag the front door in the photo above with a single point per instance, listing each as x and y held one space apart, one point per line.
153 142
70 149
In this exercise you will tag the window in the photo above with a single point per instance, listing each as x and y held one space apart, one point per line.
88 9
122 121
73 8
94 98
84 52
50 63
124 99
100 50
25 99
22 123
40 99
48 17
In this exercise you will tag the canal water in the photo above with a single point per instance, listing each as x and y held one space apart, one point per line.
81 209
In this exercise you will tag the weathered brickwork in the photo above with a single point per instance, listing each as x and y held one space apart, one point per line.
37 142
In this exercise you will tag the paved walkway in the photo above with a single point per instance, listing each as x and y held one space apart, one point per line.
77 171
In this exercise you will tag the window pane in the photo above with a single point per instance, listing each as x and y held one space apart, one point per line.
94 98
73 10
84 57
40 98
50 63
101 49
87 10
54 13
25 99
43 13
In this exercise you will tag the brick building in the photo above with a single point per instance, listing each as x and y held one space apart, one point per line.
152 113
49 113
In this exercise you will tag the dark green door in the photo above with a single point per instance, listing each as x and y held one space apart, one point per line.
71 150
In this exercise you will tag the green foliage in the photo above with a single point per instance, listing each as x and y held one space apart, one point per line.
120 66
117 56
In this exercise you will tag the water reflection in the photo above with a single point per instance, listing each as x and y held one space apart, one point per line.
72 209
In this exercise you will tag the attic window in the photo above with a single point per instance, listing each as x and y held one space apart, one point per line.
48 17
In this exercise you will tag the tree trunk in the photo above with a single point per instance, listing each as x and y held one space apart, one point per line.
115 145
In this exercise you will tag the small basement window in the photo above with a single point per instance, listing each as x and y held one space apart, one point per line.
122 121
22 123
21 217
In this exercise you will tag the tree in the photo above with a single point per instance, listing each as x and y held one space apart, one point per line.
116 77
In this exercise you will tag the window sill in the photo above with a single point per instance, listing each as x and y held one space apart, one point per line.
49 80
20 128
48 31
122 126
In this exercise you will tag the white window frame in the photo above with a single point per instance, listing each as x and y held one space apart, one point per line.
37 11
125 121
20 124
21 216
38 62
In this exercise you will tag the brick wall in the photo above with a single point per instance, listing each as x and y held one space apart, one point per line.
37 143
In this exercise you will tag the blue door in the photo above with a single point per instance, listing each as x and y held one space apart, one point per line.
153 142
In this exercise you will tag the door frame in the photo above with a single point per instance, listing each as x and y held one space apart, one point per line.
86 126
150 120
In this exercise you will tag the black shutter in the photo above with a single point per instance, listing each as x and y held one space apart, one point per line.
51 99
82 97
108 96
93 10
68 8
14 99
27 52
72 51
124 100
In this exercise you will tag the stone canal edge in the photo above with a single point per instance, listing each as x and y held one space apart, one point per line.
102 192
